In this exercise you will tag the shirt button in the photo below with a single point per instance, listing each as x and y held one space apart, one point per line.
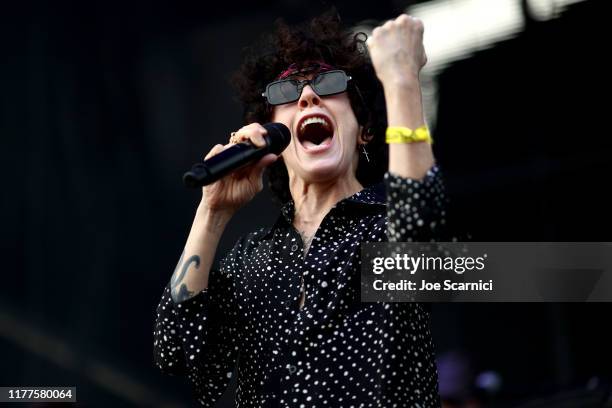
294 247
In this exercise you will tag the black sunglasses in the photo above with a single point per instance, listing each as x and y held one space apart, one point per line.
289 90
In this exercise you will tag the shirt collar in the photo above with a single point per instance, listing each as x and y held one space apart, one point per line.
371 197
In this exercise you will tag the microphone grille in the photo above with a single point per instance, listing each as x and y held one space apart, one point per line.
278 135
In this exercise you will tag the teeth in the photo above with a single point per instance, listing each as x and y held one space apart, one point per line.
314 119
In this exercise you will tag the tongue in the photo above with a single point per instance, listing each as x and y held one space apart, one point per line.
308 144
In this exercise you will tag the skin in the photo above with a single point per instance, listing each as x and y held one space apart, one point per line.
179 289
316 183
398 55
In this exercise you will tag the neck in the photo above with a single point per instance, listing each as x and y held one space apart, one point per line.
314 200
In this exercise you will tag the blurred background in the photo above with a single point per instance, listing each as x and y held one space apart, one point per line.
105 104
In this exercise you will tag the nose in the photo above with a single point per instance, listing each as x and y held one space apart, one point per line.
308 98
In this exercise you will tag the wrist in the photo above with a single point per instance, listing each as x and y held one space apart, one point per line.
402 84
404 105
213 219
402 89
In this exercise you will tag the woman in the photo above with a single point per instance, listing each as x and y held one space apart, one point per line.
286 298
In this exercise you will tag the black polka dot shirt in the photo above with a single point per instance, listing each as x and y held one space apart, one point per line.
333 351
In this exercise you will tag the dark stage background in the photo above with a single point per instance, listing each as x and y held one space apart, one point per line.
106 104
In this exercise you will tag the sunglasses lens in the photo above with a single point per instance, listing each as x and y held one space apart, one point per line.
326 83
329 83
282 92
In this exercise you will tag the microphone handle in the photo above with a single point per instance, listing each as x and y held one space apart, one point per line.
211 170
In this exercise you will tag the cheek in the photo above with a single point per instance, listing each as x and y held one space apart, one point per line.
342 110
350 127
282 114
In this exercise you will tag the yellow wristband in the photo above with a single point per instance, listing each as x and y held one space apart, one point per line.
398 134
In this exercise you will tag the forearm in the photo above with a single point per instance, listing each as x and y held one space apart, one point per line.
191 273
405 108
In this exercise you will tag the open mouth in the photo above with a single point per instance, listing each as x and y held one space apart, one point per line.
315 130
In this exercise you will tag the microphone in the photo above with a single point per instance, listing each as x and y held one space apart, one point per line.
211 170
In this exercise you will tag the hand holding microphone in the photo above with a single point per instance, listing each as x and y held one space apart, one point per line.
232 174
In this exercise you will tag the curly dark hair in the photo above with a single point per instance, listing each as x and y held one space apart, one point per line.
325 39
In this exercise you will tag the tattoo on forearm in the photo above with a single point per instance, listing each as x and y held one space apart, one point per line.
178 289
183 294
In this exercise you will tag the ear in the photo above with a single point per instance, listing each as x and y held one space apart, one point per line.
365 135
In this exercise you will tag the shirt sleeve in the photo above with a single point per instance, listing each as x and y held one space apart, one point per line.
198 338
416 209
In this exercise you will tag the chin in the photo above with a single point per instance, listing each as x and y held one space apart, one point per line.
324 170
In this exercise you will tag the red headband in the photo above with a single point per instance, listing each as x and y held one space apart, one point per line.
308 66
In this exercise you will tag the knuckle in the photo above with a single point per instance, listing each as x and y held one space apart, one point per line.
215 149
403 19
254 126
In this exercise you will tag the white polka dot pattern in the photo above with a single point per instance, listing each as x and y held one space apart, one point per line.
334 351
